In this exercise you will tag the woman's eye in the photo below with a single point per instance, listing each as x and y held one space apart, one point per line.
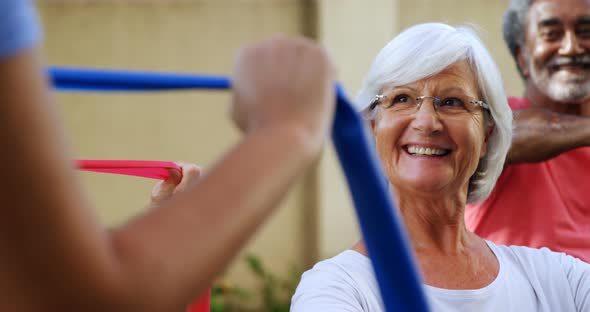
402 98
452 102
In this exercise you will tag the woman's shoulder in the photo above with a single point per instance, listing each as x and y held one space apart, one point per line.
347 260
539 261
349 266
558 278
542 255
345 280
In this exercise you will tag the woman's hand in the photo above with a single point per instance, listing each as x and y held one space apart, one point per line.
177 182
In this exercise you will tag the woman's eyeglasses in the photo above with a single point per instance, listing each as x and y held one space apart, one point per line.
403 103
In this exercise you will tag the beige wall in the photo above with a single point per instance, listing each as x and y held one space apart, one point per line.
353 32
485 14
183 36
202 36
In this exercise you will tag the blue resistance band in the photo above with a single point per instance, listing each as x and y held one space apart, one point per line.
388 247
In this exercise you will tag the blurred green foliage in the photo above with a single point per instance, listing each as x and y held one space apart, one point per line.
271 294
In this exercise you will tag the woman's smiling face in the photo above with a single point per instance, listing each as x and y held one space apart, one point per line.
426 149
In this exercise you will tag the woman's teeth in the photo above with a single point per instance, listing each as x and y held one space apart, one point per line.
416 150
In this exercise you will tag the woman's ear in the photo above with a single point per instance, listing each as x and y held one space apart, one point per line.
490 131
484 146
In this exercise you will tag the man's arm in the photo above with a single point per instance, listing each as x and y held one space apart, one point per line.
540 134
55 256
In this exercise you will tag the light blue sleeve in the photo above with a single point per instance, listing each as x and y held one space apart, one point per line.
19 26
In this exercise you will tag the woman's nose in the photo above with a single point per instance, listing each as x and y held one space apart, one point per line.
426 118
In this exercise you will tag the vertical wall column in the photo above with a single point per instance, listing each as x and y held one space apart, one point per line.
353 32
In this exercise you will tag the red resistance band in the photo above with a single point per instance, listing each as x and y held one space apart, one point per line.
152 169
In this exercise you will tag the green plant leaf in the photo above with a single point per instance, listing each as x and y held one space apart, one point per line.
255 264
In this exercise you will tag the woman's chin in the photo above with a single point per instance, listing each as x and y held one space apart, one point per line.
421 184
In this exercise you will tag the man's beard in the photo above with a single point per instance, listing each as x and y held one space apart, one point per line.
562 86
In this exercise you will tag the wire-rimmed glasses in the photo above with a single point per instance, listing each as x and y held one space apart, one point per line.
407 104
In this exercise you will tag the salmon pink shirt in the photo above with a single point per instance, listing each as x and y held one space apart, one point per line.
544 204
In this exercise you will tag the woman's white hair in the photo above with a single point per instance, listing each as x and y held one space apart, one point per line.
427 49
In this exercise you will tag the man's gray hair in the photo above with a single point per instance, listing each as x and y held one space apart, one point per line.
514 26
427 49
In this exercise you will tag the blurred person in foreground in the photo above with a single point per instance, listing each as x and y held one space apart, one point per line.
54 253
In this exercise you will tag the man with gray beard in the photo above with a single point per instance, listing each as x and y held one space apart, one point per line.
542 198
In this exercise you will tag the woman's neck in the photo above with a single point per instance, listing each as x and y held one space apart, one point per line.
447 254
435 223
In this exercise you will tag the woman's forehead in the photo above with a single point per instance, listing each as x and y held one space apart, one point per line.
456 76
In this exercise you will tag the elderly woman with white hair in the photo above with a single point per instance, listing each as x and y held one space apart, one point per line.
442 127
